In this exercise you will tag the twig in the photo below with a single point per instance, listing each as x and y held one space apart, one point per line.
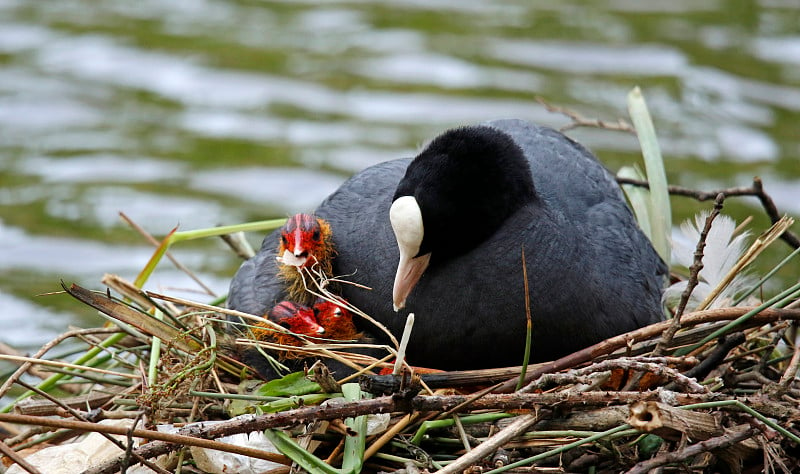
791 372
26 365
579 120
173 441
171 258
623 340
239 245
626 363
519 426
321 282
682 455
68 366
756 190
12 455
88 401
715 358
526 357
188 436
79 416
694 276
388 435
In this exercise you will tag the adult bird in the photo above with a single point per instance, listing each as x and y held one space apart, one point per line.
464 211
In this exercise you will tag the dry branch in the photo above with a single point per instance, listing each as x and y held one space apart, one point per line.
619 342
673 423
719 442
694 277
756 190
519 426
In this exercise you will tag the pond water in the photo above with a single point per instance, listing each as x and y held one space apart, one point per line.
206 112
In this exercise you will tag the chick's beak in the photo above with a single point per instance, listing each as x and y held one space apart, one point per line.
310 325
409 271
293 259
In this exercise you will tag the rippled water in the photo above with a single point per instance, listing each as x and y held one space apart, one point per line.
204 112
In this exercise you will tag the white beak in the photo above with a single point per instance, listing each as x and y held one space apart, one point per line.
288 258
406 218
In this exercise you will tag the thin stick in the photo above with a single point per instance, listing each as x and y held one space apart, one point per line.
401 353
519 426
322 281
27 365
526 357
80 417
12 455
171 257
756 190
791 372
147 434
623 340
388 435
694 277
67 366
623 363
579 120
693 450
562 449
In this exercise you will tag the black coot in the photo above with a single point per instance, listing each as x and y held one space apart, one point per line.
464 210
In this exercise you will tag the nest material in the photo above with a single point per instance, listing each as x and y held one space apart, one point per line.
729 406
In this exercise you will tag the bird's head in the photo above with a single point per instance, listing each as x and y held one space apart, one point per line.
305 240
470 176
336 319
296 318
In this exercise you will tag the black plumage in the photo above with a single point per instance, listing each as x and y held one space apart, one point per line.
485 193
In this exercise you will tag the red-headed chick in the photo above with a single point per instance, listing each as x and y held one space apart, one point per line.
305 242
337 320
296 318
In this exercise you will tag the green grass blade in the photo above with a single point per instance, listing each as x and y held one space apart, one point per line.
446 423
561 449
779 300
174 237
257 226
152 263
155 356
766 277
296 453
526 357
660 212
354 445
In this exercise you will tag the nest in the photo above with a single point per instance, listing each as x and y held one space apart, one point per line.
695 393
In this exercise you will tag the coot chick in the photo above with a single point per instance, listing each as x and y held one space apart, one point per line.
479 196
296 318
336 320
305 251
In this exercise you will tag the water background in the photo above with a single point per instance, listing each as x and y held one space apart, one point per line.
206 112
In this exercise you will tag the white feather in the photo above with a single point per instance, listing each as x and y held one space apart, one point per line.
721 253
